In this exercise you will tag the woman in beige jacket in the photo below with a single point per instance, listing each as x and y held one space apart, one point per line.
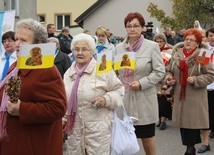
190 108
91 100
141 96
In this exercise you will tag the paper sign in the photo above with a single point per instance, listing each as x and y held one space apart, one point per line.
125 60
36 56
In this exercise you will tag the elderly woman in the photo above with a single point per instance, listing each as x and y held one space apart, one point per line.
190 106
140 96
91 100
165 110
34 122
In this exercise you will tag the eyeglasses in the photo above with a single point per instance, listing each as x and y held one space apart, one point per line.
7 40
83 50
132 27
159 41
190 40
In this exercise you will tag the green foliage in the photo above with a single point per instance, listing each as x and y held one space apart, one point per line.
185 12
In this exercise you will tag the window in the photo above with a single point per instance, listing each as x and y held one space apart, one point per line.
13 5
41 18
62 21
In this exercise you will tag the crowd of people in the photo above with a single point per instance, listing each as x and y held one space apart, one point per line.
71 102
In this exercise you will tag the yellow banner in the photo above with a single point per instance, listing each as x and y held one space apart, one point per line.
119 65
103 67
36 56
46 62
125 60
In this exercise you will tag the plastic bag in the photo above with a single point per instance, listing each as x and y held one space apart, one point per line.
124 140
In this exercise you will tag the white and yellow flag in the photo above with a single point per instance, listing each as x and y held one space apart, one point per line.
125 60
36 56
104 62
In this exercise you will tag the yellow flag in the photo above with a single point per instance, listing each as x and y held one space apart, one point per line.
104 62
36 56
125 60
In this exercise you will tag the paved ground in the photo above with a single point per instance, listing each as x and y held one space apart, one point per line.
168 142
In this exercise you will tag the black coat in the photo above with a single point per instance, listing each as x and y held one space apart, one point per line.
62 62
65 44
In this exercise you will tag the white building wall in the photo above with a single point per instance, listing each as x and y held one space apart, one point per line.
112 13
27 9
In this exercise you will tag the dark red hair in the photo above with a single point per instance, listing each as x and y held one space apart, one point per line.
197 33
133 15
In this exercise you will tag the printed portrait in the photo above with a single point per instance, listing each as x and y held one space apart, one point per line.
125 60
103 63
35 57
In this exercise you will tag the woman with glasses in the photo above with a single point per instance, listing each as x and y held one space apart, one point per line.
190 82
140 96
91 99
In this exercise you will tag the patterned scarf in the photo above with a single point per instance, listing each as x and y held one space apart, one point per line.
72 103
184 73
3 108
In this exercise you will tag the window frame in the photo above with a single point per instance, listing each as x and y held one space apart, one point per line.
63 19
42 14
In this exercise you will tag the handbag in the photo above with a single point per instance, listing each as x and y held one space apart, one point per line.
123 140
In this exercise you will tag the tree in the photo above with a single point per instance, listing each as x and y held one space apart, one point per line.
185 12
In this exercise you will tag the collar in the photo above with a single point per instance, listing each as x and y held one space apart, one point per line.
13 55
88 70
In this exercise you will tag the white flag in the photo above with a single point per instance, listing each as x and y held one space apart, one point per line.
7 19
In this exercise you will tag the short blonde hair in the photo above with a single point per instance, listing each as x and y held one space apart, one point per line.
101 31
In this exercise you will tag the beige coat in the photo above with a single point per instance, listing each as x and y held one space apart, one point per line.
92 128
192 112
149 71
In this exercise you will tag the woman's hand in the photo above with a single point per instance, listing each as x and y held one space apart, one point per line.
135 85
190 80
100 102
13 108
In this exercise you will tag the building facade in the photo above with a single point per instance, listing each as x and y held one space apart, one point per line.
24 9
108 13
61 12
111 14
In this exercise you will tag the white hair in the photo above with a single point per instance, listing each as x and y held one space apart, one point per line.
40 34
84 37
54 40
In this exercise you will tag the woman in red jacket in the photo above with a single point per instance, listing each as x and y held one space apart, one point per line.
34 124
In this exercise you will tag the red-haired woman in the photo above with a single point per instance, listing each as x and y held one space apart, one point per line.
190 106
140 96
